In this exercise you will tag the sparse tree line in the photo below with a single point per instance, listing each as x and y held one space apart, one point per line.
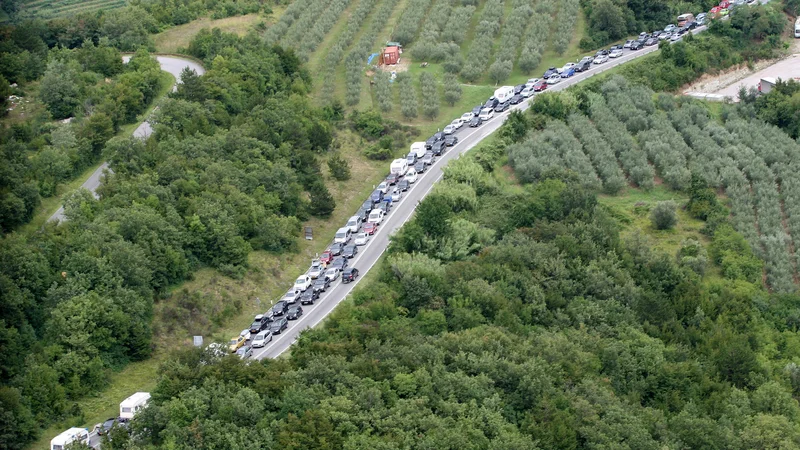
225 173
356 60
565 24
312 36
432 46
411 20
536 37
480 52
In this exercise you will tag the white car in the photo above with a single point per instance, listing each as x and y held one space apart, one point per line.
587 58
458 123
466 117
450 129
332 273
486 114
532 81
302 283
527 92
361 239
383 187
375 216
411 176
675 37
600 59
396 195
291 296
566 66
555 79
670 28
316 269
664 36
627 44
262 338
245 334
616 53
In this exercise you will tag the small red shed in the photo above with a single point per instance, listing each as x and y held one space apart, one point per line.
391 55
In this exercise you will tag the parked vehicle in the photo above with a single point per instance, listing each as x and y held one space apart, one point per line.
600 59
245 352
376 216
235 343
466 117
131 406
477 110
458 123
797 28
339 263
361 239
583 66
540 86
418 149
664 36
671 27
396 195
555 79
438 148
550 72
486 114
411 159
290 297
503 93
420 166
398 167
376 196
566 66
491 103
354 224
403 185
527 92
309 296
350 251
327 256
295 312
262 338
303 282
259 323
316 268
651 41
636 45
568 72
502 107
349 274
683 19
103 428
72 436
627 43
280 308
336 248
518 88
427 159
342 235
615 53
411 176
475 122
321 284
279 325
383 187
449 129
452 140
675 37
392 178
434 139
370 228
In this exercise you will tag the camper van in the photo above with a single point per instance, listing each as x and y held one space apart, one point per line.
70 436
133 404
504 93
418 148
399 167
797 28
683 19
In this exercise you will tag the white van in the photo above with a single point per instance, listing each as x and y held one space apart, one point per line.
504 93
342 236
375 216
399 167
486 114
797 28
354 224
418 148
133 404
261 339
73 435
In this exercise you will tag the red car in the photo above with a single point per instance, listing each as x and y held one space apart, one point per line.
326 257
714 12
540 86
370 228
724 4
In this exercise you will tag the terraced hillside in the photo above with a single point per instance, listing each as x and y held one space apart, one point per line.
469 47
47 9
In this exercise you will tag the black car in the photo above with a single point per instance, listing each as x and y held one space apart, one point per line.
403 185
517 99
294 312
364 212
583 65
350 251
308 297
636 45
377 196
550 72
260 323
492 103
428 158
368 204
420 166
411 158
340 263
336 248
451 140
280 308
107 425
439 136
385 206
321 284
518 88
615 47
392 179
475 122
502 107
438 148
601 52
651 41
349 274
279 325
477 110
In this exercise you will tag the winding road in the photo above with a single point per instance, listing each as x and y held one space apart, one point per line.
171 64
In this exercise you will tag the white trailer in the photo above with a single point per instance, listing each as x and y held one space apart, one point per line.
766 84
797 28
133 404
73 435
418 148
399 167
504 93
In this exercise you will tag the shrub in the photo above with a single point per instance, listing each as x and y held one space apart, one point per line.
663 216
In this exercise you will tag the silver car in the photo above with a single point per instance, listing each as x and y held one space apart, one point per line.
245 352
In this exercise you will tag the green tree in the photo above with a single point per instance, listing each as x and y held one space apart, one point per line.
663 216
433 214
60 89
452 89
322 202
383 92
339 167
408 96
500 70
430 95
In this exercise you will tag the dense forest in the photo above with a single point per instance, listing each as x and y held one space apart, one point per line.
516 317
229 169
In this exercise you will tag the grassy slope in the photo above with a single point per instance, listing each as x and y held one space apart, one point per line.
175 38
51 204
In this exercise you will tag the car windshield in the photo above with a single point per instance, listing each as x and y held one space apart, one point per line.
255 324
300 281
233 341
341 234
259 337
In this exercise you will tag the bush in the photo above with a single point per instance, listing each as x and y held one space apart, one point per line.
369 124
693 255
339 167
663 216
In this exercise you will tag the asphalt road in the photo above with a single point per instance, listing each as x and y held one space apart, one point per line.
169 64
369 254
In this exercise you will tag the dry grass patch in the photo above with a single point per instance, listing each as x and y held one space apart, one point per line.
175 38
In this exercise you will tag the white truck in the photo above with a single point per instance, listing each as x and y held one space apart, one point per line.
504 93
133 404
399 167
766 84
71 436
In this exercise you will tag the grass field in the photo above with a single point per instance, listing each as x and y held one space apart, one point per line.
48 9
176 38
